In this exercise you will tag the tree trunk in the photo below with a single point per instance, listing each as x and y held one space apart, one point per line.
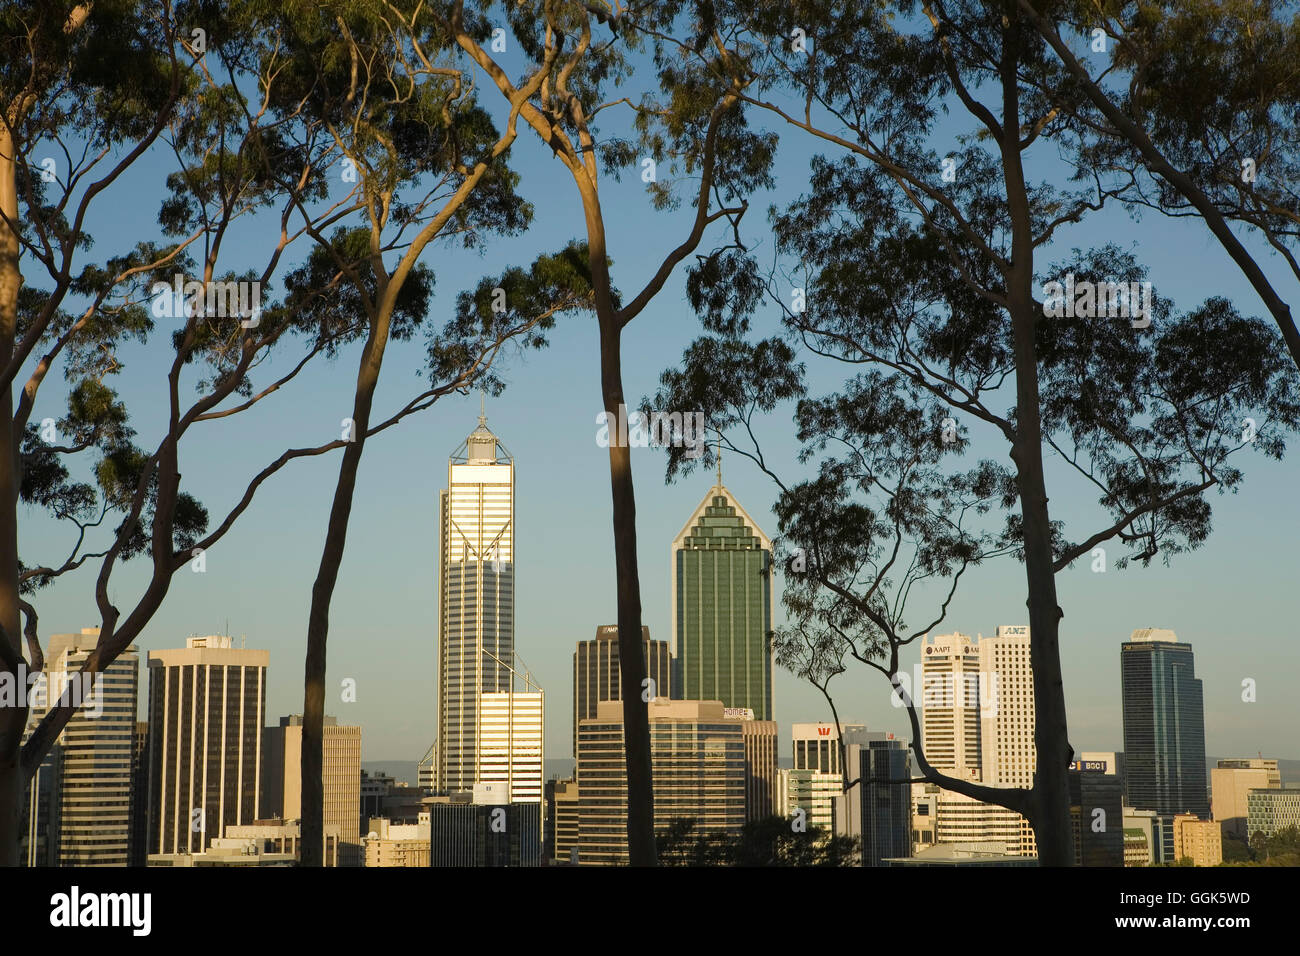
312 834
12 719
631 662
1049 804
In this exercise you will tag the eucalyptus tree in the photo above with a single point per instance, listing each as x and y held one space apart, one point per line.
1191 109
198 99
690 121
920 255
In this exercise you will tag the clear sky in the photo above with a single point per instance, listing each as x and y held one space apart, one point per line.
1231 600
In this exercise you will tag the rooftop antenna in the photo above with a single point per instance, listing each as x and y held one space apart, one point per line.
718 453
482 407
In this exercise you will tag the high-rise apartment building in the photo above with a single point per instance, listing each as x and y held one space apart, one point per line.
87 786
340 772
207 706
596 675
723 606
1230 781
476 599
1164 726
698 765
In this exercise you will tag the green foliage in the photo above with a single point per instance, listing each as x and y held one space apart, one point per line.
767 842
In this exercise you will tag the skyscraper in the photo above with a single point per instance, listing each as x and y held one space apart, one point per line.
340 773
596 675
1008 757
1164 725
950 704
207 705
476 599
723 605
89 769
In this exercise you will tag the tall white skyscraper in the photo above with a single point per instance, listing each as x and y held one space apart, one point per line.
207 708
950 704
1007 714
476 600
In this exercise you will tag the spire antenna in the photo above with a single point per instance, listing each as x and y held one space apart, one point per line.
718 453
482 407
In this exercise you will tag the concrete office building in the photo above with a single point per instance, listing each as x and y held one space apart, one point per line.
80 805
481 828
563 810
476 599
815 780
956 818
817 746
1271 810
812 791
389 844
1164 727
950 704
376 788
511 743
760 762
139 851
1136 850
698 765
341 773
1156 832
1200 841
596 675
723 605
1007 754
207 707
1230 782
875 812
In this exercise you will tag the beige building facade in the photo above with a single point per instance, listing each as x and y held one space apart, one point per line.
340 770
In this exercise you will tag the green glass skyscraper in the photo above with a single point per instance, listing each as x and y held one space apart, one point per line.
723 606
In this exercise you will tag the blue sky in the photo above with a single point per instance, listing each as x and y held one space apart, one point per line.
1235 600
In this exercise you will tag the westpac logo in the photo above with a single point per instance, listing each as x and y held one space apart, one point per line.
77 909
